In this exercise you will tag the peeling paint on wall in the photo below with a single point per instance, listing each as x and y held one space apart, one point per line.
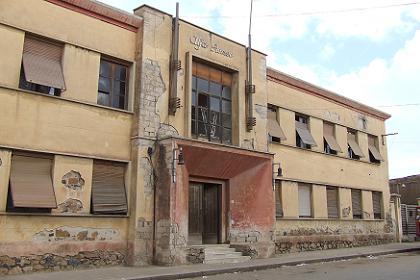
71 205
65 233
73 180
345 212
261 111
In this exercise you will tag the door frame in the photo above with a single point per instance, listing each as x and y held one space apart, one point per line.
223 203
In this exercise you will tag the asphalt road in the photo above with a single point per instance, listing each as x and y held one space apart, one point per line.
389 267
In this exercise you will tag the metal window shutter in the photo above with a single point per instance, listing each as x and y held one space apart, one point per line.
332 202
377 203
42 63
305 135
356 202
373 149
279 206
274 128
31 183
351 139
305 207
329 137
108 190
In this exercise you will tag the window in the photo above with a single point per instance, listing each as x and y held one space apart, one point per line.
330 143
374 154
275 132
108 188
377 205
113 84
31 187
41 67
305 201
279 204
304 138
332 202
356 202
211 106
353 148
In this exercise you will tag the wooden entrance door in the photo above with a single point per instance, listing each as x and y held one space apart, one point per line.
203 214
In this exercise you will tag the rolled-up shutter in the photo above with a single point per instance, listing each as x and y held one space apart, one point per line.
279 206
377 205
330 138
305 205
273 126
42 63
108 190
373 149
305 134
356 202
332 202
351 139
31 182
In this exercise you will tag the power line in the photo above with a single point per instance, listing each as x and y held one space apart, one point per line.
314 12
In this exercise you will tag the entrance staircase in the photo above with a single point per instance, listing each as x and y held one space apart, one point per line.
222 253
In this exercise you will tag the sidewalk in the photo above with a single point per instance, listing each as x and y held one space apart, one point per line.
184 271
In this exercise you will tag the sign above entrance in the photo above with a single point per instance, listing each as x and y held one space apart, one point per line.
199 43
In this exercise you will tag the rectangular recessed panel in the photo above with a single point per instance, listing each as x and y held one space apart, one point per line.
305 134
31 182
305 207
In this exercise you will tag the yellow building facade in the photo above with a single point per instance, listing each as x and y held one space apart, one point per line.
116 148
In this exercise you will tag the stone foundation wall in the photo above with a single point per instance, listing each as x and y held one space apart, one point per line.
195 255
52 262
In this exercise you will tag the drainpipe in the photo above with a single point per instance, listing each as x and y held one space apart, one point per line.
175 65
250 88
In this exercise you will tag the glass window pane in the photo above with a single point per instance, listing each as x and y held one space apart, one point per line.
194 82
203 115
193 112
193 128
121 72
226 106
226 92
215 104
104 84
215 133
105 69
118 101
202 130
194 98
119 88
226 120
103 98
202 85
227 136
203 100
215 89
214 117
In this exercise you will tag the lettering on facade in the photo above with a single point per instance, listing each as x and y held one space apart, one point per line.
200 43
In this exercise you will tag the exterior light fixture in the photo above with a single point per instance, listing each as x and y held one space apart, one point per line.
276 173
177 158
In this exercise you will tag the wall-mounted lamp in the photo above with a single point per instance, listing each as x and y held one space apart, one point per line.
177 156
276 173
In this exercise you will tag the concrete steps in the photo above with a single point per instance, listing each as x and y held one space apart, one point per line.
222 253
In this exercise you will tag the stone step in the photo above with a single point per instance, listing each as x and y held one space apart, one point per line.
227 260
219 250
213 256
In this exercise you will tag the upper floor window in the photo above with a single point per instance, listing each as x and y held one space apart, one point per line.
113 84
353 148
41 67
304 137
211 104
275 132
373 146
331 145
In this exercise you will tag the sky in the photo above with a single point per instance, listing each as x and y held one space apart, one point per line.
366 50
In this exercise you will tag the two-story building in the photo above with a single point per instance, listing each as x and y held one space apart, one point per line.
140 138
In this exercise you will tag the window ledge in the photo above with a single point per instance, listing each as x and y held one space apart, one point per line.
63 215
323 153
67 99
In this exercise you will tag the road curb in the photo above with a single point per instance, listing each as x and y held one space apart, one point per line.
252 267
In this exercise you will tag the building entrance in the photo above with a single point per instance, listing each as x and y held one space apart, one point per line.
204 213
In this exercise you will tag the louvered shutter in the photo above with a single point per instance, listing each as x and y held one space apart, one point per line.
356 202
42 63
273 126
305 134
377 205
332 202
31 182
373 149
305 205
330 138
279 206
351 140
108 190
